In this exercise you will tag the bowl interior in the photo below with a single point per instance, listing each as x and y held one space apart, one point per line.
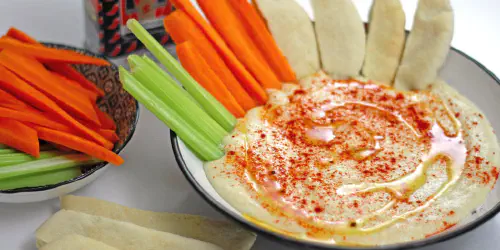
462 72
116 102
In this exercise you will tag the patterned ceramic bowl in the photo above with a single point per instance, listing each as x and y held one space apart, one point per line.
120 105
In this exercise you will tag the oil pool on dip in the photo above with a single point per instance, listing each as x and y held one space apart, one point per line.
354 162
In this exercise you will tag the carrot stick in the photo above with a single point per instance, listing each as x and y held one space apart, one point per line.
225 22
109 134
32 96
181 28
71 73
45 54
200 70
106 121
35 117
21 36
61 68
19 136
34 72
12 101
76 87
257 30
240 72
79 144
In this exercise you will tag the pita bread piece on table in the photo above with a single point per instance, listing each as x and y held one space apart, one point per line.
76 242
341 37
227 235
118 234
427 45
293 31
385 42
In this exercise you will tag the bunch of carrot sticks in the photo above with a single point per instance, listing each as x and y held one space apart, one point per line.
42 97
234 57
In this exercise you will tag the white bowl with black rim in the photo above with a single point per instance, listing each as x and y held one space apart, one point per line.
117 103
463 73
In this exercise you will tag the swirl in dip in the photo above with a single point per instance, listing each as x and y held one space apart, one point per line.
353 162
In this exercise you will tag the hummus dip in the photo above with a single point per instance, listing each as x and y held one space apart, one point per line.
356 163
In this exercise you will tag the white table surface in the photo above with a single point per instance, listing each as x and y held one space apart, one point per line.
150 178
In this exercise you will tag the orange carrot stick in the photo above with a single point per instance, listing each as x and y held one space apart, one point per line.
257 30
45 54
109 134
196 65
71 73
76 87
181 28
225 22
32 96
106 121
79 144
19 136
21 36
34 72
32 116
7 98
61 68
240 72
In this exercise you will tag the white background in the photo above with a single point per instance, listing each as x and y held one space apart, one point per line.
150 178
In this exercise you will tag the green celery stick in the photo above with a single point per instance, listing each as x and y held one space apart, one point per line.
202 146
213 107
37 180
8 151
46 165
18 158
134 61
175 98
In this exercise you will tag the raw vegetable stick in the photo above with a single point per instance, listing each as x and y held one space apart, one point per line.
32 116
34 73
79 144
11 159
256 29
43 179
240 72
45 54
182 29
109 134
172 95
214 108
30 95
19 136
20 36
45 165
76 87
223 19
8 100
71 73
202 147
106 121
196 65
61 68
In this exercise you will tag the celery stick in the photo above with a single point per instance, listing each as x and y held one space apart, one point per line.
202 146
37 180
174 98
46 165
213 107
18 158
8 151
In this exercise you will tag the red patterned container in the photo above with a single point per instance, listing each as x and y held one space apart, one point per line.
106 32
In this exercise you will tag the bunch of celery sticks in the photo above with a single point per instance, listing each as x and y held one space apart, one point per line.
191 112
